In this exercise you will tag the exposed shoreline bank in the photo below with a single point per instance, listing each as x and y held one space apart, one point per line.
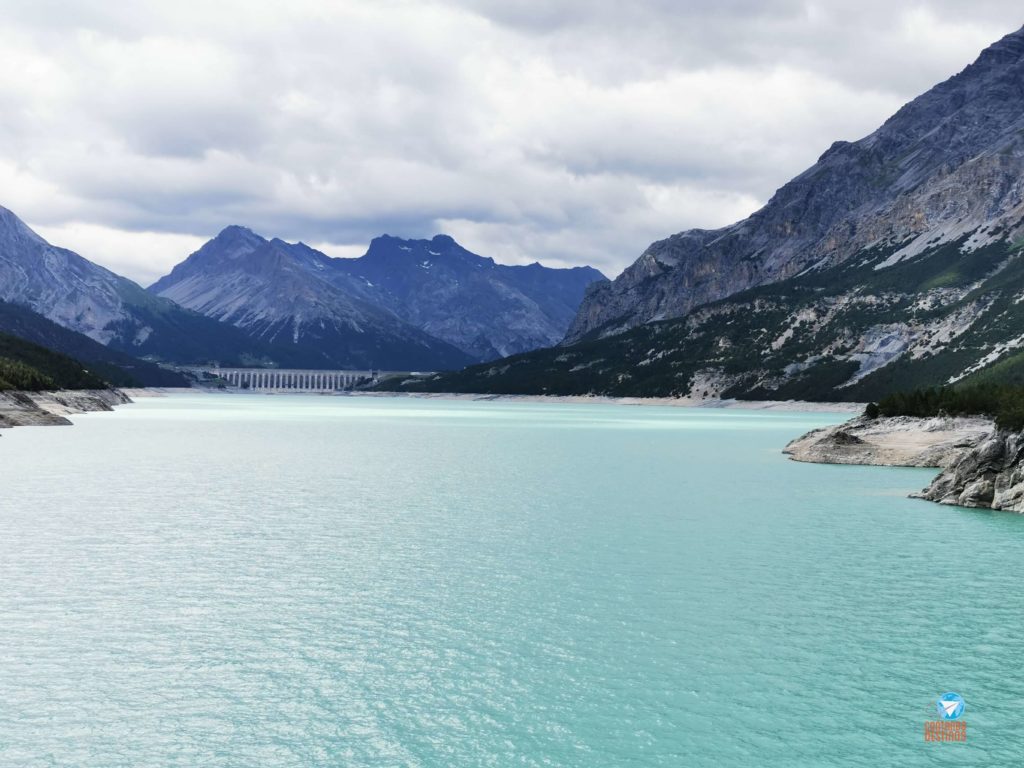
677 402
899 441
981 466
45 409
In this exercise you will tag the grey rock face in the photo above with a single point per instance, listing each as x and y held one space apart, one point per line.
73 292
488 310
285 294
949 163
981 466
989 475
417 292
899 441
21 409
58 283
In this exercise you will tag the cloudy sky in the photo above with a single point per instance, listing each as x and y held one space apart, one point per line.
564 131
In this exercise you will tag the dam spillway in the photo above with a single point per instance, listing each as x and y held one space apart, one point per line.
287 380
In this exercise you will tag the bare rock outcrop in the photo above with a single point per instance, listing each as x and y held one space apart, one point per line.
991 474
21 409
898 441
946 164
981 466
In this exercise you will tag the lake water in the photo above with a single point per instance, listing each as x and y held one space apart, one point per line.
308 581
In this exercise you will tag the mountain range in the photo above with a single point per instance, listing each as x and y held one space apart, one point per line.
489 310
280 294
893 262
947 165
84 297
244 300
405 303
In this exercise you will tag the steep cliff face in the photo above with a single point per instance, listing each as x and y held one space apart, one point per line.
989 475
84 297
60 284
948 164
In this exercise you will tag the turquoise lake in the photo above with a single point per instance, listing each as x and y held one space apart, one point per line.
218 580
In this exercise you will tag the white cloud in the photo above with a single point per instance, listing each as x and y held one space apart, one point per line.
340 250
144 256
567 132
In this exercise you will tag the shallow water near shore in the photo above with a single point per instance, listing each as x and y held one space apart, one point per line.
303 581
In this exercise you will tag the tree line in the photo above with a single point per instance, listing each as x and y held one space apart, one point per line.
1003 403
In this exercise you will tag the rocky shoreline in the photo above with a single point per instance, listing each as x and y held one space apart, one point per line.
982 466
990 475
23 409
899 441
800 406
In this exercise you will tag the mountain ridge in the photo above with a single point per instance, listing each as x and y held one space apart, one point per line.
267 289
858 195
486 308
896 262
433 289
85 297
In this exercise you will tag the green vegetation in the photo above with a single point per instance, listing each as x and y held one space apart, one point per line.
118 368
29 367
15 375
809 385
796 339
1004 403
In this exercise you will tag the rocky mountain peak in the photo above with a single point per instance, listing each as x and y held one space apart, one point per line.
435 286
1008 50
13 229
234 241
231 244
440 249
946 164
77 294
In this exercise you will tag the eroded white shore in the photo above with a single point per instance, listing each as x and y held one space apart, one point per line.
679 402
981 466
898 441
22 409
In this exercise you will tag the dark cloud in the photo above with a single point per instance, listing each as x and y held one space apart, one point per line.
568 132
